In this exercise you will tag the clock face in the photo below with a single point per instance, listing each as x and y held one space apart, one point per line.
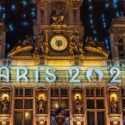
58 43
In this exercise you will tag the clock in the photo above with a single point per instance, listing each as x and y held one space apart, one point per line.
58 43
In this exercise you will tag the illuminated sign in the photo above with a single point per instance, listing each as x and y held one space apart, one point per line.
74 74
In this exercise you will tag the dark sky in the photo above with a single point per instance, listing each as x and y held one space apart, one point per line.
96 15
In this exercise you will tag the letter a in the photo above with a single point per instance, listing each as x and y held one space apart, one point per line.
6 76
22 76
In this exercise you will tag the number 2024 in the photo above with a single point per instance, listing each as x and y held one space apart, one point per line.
114 74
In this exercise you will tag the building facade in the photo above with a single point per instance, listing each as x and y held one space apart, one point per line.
2 39
118 38
61 79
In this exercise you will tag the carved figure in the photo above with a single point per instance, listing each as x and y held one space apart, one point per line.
75 45
89 41
56 20
78 105
57 15
39 45
5 106
41 106
114 106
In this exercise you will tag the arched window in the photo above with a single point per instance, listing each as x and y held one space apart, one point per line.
75 16
42 15
121 49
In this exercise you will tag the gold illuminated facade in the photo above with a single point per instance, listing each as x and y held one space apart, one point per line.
118 38
59 44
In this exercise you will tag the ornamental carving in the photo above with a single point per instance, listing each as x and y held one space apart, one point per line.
76 45
41 101
41 45
5 104
114 101
25 45
58 13
114 105
78 105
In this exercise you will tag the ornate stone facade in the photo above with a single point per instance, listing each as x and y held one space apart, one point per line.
59 44
118 38
2 40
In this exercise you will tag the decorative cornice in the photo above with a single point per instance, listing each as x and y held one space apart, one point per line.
69 2
20 49
98 50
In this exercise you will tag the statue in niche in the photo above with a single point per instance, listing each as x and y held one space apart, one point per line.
40 45
5 106
114 105
78 105
57 14
41 106
76 46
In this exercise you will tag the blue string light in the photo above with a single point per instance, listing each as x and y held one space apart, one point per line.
33 1
95 39
107 4
94 32
11 27
1 8
8 56
24 3
7 45
115 2
25 24
24 15
33 13
13 7
3 16
103 21
91 20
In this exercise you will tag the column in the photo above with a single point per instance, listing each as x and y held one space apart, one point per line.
38 14
70 14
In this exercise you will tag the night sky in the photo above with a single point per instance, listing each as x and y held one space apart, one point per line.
96 15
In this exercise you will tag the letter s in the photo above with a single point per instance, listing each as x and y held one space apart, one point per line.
49 74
